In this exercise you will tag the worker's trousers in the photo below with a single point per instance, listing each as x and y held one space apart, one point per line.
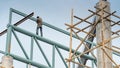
37 30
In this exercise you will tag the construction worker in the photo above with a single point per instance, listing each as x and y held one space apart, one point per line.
39 25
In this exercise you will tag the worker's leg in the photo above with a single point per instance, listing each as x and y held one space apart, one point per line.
41 31
37 30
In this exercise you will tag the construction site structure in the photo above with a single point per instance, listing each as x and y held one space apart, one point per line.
100 29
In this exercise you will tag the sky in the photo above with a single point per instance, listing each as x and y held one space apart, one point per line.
54 12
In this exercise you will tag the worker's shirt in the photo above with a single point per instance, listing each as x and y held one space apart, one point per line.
39 22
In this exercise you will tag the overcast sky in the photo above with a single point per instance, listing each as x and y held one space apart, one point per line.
54 12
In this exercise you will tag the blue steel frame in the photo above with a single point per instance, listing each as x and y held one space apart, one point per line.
28 60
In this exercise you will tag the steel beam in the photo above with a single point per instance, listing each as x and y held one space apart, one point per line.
50 26
48 41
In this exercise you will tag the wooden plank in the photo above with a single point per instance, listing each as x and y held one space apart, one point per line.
80 30
83 29
83 20
88 17
116 23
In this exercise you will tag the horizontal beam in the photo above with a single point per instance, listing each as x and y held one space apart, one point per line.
115 53
26 60
50 26
48 41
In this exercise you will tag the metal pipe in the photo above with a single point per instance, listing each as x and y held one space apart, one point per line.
61 56
79 60
115 53
10 16
9 33
48 41
8 40
41 50
92 64
20 44
53 57
31 50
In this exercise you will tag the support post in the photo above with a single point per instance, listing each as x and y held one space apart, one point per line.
7 62
103 32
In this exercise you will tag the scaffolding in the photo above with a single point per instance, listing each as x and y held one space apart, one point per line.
99 28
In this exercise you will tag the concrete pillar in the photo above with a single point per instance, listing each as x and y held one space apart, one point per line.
102 60
7 62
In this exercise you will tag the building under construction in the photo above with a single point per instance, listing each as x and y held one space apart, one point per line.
95 38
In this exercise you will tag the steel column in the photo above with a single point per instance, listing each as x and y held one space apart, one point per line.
10 16
53 57
31 50
8 40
